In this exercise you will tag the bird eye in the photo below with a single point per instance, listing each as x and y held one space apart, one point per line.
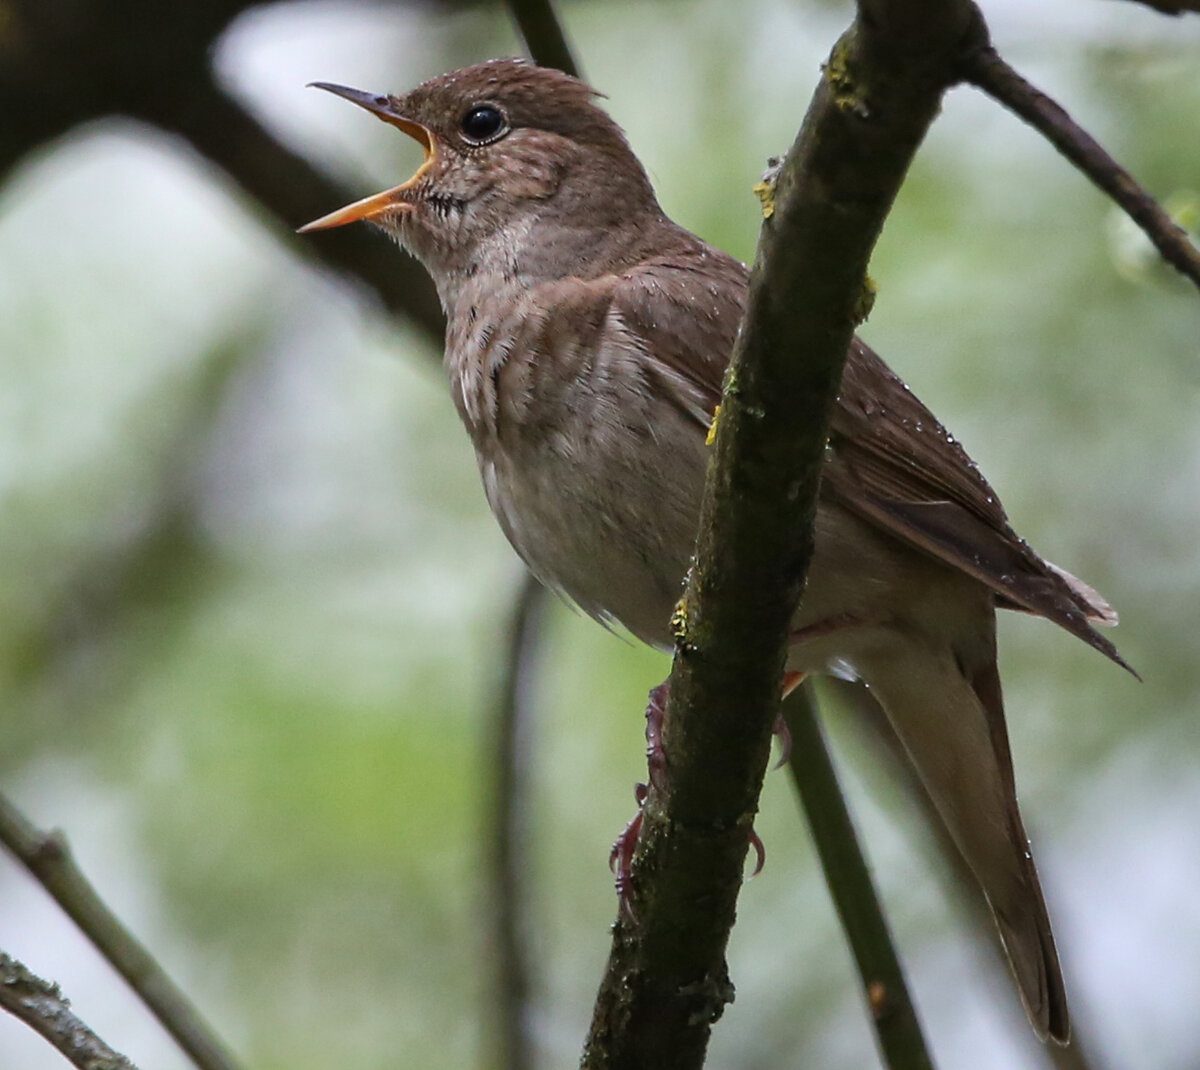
483 123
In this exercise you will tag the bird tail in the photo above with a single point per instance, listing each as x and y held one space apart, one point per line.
951 722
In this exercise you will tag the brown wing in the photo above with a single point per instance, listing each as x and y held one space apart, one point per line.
892 462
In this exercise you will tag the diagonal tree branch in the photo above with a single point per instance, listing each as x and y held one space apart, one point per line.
48 858
63 65
293 191
897 1030
986 70
666 980
42 1007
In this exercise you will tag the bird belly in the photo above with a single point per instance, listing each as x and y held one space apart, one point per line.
611 528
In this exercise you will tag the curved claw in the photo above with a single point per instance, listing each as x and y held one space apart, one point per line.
620 858
760 851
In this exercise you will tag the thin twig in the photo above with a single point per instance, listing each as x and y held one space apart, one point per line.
893 1015
986 70
59 72
876 733
507 817
294 192
48 859
42 1007
543 34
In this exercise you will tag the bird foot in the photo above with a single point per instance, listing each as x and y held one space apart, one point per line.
620 858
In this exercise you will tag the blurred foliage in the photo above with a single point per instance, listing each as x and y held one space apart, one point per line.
252 600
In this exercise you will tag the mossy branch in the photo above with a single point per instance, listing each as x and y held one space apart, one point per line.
666 981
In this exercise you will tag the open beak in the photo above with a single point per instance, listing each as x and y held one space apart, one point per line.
388 200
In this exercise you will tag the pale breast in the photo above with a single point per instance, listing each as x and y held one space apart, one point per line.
595 481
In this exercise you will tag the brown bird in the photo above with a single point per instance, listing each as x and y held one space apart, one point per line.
586 341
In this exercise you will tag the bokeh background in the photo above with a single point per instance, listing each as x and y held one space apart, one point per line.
252 606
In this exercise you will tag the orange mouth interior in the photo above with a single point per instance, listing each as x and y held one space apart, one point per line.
391 200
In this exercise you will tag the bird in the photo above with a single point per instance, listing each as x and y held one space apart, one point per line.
586 339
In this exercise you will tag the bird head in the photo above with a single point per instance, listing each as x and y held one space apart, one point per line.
509 146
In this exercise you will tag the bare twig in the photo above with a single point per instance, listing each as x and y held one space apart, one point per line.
897 1028
58 71
666 981
875 733
543 34
507 818
294 192
42 1007
49 860
986 70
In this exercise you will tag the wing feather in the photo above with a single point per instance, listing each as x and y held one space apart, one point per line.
892 462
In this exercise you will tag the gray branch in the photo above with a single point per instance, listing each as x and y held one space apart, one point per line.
42 1007
49 860
543 35
507 803
1173 7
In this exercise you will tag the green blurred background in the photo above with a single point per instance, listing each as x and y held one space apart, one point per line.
252 604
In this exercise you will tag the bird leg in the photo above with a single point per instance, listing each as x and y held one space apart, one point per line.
620 858
656 711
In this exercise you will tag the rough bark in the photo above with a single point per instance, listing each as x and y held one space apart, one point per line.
666 981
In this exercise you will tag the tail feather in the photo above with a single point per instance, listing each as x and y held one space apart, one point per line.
1024 924
1029 944
951 722
1099 611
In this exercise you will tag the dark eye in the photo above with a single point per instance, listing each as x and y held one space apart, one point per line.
482 124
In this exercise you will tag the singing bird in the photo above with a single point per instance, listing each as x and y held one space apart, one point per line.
586 339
